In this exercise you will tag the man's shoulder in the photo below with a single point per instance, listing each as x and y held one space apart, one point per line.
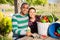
16 14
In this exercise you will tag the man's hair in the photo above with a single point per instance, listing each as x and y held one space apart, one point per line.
24 4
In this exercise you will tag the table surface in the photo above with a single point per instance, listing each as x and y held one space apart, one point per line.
31 38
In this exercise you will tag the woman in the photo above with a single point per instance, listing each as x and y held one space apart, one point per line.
33 20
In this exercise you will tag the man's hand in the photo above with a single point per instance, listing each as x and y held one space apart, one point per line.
28 33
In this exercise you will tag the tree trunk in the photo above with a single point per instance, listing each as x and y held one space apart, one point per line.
16 7
17 4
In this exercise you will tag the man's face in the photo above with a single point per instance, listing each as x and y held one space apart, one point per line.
24 9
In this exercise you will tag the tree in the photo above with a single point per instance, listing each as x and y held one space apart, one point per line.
16 6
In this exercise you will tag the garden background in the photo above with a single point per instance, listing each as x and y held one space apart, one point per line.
9 7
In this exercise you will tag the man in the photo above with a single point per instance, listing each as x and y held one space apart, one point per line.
20 22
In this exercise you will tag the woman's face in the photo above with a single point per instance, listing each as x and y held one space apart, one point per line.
32 13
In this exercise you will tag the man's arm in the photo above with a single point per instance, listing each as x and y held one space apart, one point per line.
15 26
16 30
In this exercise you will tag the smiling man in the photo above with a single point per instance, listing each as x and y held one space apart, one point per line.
20 22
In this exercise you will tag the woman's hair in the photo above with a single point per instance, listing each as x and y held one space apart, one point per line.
31 8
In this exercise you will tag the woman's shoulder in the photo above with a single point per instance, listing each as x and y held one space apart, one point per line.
38 17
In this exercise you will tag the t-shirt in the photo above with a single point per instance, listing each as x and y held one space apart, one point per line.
20 24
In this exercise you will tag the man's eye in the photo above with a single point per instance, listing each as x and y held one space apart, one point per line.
26 8
23 7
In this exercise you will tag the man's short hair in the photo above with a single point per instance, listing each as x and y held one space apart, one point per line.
24 4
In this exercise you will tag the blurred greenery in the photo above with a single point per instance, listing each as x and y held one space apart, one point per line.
3 1
31 2
7 1
5 38
5 25
10 1
37 2
9 10
1 16
40 12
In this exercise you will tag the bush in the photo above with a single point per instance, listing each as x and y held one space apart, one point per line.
5 38
1 16
5 25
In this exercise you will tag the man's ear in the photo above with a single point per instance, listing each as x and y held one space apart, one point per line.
20 8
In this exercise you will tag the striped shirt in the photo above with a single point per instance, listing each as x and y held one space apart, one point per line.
20 24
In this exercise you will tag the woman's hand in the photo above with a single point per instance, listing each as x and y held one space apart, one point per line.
43 36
